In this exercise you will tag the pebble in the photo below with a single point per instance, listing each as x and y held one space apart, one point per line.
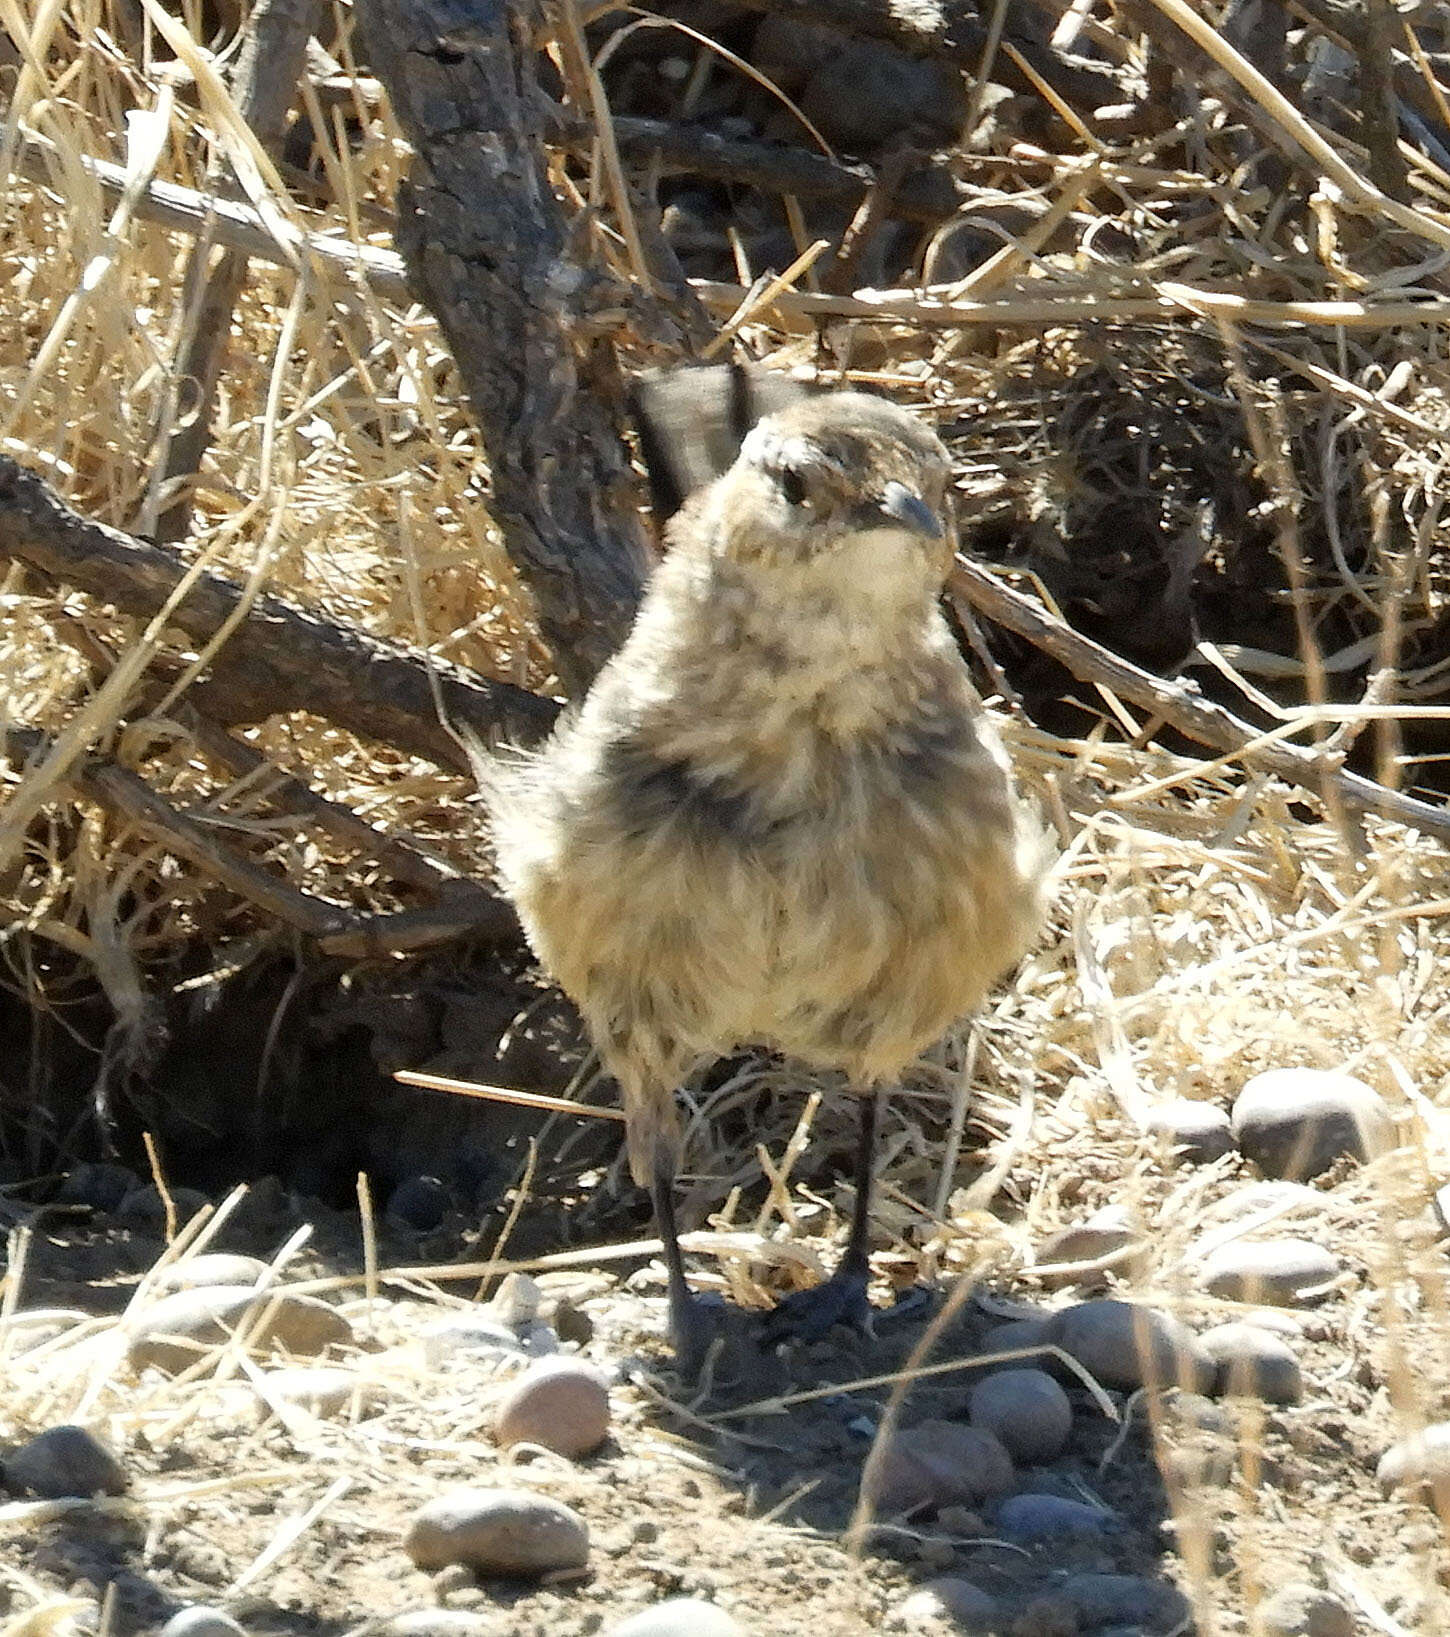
1125 1600
1285 1272
679 1617
1112 1237
1299 1610
320 1389
480 1337
1253 1362
1194 1132
434 1623
1026 1411
972 1611
211 1268
1121 1344
562 1404
1048 1517
867 93
1420 1462
146 1206
497 1531
64 1461
1047 1615
200 1620
173 1332
937 1463
1296 1122
1016 1339
419 1204
97 1183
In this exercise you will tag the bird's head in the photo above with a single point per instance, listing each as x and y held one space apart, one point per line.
840 485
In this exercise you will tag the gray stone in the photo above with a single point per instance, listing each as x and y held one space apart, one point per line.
320 1389
1300 1610
497 1531
174 1332
1121 1344
211 1269
1017 1339
868 93
1026 1411
934 1464
1112 1237
1285 1272
1296 1122
64 1461
561 1404
679 1617
1253 1363
1419 1463
146 1206
419 1204
199 1620
971 1610
435 1623
1193 1132
98 1184
1032 1518
1124 1599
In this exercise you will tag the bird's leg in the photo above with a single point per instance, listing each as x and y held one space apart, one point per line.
692 1328
842 1298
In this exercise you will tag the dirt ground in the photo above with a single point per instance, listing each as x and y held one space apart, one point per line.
294 1522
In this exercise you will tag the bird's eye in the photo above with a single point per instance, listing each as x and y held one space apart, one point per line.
793 486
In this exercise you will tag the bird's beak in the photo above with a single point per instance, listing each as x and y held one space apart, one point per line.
902 506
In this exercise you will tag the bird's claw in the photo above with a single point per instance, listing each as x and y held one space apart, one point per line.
808 1315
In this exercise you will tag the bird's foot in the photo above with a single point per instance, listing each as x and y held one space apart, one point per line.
808 1315
696 1323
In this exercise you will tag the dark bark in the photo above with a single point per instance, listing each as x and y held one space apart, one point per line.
488 249
280 657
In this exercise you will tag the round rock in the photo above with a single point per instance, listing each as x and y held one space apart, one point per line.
1420 1463
1283 1272
1193 1132
419 1203
64 1461
212 1268
1296 1122
174 1332
1121 1344
436 1623
1032 1518
320 1389
1125 1600
1017 1339
497 1531
562 1404
1110 1238
937 1463
1026 1411
679 1617
146 1206
1253 1363
97 1183
1299 1610
971 1610
200 1620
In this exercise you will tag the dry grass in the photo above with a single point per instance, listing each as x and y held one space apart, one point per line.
1207 925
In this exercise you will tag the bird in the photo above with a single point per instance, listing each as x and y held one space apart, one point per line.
781 816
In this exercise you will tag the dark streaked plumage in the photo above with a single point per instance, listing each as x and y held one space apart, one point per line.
781 816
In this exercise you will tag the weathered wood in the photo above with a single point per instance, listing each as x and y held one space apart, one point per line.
488 248
280 657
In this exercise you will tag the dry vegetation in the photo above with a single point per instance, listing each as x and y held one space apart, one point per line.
1211 920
